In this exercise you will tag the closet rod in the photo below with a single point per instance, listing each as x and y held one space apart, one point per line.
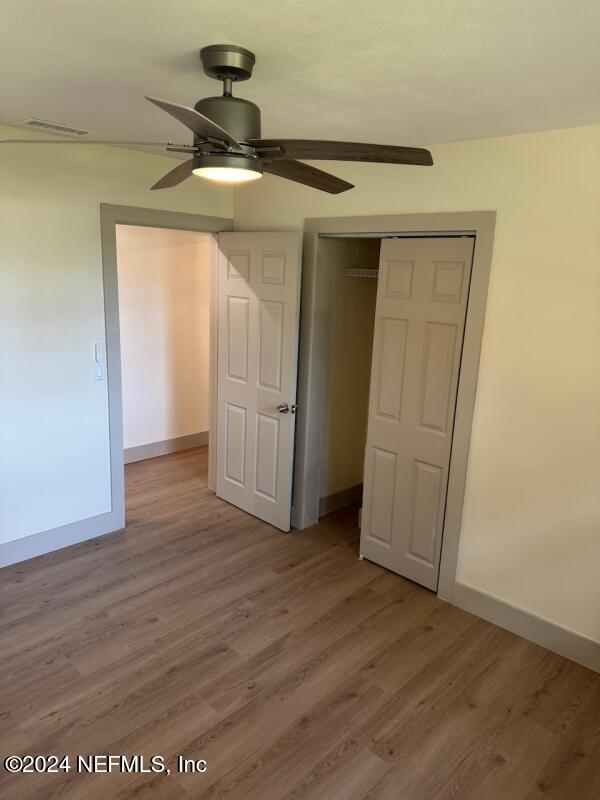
356 272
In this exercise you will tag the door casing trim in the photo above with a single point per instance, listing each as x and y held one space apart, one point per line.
312 358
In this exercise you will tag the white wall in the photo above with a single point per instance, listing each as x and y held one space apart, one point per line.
164 313
531 525
54 456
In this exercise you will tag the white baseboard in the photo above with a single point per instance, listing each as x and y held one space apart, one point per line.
154 449
537 629
38 544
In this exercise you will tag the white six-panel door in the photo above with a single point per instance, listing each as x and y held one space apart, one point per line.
258 318
419 323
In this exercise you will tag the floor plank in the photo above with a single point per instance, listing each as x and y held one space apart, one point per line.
296 670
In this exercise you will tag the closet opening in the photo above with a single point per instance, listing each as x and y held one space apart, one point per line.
390 335
353 268
352 264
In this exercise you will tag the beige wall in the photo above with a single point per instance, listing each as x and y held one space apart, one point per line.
349 369
164 312
54 449
531 523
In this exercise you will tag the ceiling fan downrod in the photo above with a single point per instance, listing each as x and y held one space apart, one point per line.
227 86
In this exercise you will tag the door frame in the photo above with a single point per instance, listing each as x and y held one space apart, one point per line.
313 350
111 216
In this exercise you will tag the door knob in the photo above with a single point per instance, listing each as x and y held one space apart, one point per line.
283 408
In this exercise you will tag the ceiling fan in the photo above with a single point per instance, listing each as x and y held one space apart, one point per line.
227 144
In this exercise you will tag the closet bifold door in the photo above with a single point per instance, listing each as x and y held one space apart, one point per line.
419 325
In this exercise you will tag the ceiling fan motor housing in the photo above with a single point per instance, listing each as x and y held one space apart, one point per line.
230 63
238 116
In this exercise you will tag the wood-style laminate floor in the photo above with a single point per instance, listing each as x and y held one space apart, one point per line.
294 669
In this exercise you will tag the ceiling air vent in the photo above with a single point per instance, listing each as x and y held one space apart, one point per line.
53 127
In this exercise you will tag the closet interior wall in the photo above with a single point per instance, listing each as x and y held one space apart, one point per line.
350 345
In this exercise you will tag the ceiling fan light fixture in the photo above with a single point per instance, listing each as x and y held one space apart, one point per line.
223 168
227 174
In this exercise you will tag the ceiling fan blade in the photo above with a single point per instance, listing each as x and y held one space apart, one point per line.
344 151
202 126
309 176
84 141
175 176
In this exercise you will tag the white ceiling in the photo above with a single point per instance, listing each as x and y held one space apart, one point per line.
392 71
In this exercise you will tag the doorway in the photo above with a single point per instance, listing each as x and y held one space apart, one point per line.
318 337
137 219
164 315
254 318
